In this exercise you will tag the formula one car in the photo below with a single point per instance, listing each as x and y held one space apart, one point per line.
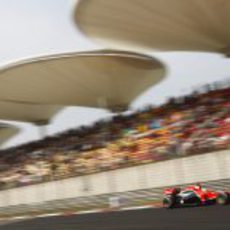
195 195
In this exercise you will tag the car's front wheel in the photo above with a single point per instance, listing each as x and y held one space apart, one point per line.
222 198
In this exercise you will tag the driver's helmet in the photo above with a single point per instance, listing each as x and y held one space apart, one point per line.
198 186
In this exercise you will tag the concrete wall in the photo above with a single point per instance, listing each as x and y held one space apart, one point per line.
212 166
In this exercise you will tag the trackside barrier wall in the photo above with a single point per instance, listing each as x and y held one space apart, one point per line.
206 167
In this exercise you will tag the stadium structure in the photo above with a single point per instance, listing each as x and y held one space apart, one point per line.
27 112
92 79
156 25
7 132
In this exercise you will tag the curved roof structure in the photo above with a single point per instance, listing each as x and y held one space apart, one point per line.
27 112
7 131
105 79
196 25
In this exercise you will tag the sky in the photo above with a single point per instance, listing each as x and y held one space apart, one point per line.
31 28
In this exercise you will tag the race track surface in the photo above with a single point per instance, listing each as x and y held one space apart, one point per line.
204 218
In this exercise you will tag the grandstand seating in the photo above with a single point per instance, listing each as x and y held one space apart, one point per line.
193 124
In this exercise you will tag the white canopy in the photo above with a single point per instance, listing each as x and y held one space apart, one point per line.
193 25
27 112
6 132
106 79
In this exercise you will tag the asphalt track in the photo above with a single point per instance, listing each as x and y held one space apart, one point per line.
213 217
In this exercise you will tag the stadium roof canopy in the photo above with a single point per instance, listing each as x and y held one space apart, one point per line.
27 112
6 132
105 79
146 25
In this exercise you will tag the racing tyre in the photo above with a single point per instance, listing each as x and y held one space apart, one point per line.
222 198
169 202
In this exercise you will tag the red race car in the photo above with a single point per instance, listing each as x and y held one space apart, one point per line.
194 195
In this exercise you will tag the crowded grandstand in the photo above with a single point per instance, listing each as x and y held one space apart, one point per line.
193 124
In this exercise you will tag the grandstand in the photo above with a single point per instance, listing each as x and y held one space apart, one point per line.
156 25
185 126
